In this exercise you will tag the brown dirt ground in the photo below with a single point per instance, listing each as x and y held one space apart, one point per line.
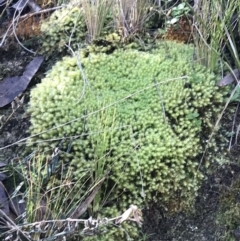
215 214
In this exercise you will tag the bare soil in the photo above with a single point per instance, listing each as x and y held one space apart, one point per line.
204 222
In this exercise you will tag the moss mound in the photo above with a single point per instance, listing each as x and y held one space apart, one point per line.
64 25
140 117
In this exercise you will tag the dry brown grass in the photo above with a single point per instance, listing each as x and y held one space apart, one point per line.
130 16
95 12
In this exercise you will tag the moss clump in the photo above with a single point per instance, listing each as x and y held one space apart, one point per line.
106 44
63 25
139 116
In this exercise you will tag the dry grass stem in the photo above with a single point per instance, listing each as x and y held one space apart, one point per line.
130 16
95 13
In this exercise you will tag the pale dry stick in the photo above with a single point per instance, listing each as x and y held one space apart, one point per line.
133 12
29 15
123 20
13 26
133 15
5 35
127 215
196 4
73 29
43 11
216 125
140 14
121 218
234 121
85 81
5 121
77 57
159 3
13 226
97 111
5 8
57 187
57 8
16 104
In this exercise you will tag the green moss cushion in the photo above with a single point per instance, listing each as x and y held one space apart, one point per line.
140 117
63 27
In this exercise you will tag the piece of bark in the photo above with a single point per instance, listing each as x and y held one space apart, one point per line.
10 88
4 204
229 78
21 4
3 176
17 207
2 164
33 6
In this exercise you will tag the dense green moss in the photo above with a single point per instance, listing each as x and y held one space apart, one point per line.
139 116
63 27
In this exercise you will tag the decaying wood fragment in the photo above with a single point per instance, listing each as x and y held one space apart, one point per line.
11 87
229 78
